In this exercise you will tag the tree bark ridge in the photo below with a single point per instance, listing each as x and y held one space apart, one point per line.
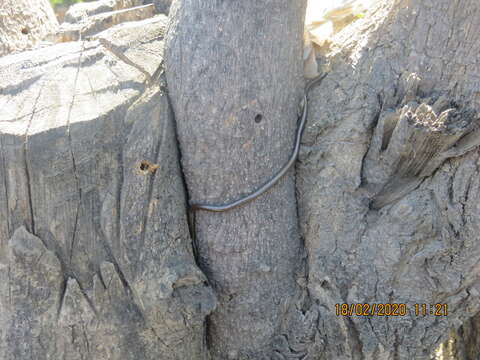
236 96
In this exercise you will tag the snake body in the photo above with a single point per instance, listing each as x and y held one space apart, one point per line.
262 189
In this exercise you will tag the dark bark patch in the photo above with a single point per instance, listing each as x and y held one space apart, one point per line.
145 167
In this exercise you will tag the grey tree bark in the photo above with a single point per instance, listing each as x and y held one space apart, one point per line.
234 72
388 187
386 181
23 23
95 257
96 260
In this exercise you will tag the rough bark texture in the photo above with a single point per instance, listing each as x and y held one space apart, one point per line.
80 11
234 73
23 23
95 257
91 25
463 343
162 6
388 188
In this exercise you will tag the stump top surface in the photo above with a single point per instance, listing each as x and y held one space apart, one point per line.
78 81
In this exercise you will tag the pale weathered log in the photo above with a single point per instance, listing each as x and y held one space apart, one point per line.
25 23
95 255
91 25
80 11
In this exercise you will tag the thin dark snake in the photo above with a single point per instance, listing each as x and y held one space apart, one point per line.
262 189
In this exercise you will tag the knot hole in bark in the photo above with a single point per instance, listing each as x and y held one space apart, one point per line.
258 118
146 167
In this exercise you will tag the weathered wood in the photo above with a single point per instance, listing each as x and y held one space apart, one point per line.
24 23
81 11
95 256
415 141
234 72
91 25
366 244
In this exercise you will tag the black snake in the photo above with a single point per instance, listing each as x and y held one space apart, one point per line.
262 189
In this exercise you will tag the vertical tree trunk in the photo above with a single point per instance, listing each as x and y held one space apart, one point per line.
234 71
95 257
389 183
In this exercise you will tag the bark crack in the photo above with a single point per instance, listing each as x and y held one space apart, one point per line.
25 159
63 291
146 208
5 185
25 151
10 285
111 258
189 214
74 165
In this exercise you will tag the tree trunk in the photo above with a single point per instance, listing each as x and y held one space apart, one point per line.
95 257
388 188
384 183
96 260
23 23
236 96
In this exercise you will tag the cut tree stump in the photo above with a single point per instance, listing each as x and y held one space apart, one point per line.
95 255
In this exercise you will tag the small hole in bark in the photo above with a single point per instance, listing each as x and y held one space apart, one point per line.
258 118
25 31
146 167
324 284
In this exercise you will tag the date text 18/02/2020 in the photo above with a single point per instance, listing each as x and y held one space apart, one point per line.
393 309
